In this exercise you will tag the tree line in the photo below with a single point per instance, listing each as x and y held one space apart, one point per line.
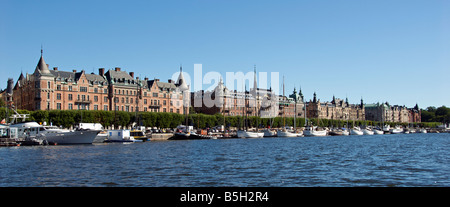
68 118
433 114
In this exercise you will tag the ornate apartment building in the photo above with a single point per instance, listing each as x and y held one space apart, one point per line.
386 113
337 109
109 90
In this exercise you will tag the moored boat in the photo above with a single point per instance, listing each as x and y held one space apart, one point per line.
356 131
55 135
312 131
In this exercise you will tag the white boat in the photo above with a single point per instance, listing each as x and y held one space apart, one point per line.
396 130
55 135
387 129
423 131
345 132
367 132
269 133
247 134
122 135
313 132
286 133
378 132
356 131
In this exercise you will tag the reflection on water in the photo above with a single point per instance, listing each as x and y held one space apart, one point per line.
383 160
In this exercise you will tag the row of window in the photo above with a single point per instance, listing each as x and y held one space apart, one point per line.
105 108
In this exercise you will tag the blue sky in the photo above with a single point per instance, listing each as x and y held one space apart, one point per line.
394 50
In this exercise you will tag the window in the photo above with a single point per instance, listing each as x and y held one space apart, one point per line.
58 87
105 90
164 102
70 97
58 106
95 107
95 98
95 90
105 99
70 88
83 89
145 101
48 95
70 106
131 100
105 107
123 100
155 94
48 84
58 96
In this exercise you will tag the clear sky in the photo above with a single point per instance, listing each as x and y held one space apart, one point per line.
394 50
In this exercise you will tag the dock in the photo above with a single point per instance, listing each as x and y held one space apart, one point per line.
8 142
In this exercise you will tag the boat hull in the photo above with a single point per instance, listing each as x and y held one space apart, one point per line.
367 132
288 134
378 132
245 134
309 133
75 137
356 132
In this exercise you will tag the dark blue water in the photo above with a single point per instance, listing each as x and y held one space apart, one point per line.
379 160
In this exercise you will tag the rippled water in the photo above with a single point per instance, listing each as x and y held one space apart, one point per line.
379 160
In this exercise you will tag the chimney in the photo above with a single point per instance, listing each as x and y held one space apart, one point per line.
117 69
74 71
146 78
55 68
157 80
170 80
132 74
101 71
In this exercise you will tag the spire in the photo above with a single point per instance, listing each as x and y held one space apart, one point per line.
42 66
181 83
300 93
314 98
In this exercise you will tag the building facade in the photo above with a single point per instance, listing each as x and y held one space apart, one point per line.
337 109
110 90
386 113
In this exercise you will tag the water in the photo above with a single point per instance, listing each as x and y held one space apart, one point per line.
378 160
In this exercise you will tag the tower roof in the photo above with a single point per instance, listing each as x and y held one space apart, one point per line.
181 83
42 66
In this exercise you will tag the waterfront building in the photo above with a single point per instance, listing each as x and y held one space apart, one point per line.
384 112
337 109
114 89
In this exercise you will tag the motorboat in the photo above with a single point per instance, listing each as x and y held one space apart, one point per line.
54 135
186 133
356 131
312 131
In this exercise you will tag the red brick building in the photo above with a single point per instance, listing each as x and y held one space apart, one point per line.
114 89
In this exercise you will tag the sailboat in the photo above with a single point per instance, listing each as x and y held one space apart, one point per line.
246 133
285 132
312 131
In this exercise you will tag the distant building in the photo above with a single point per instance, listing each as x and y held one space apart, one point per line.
109 90
386 113
337 109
